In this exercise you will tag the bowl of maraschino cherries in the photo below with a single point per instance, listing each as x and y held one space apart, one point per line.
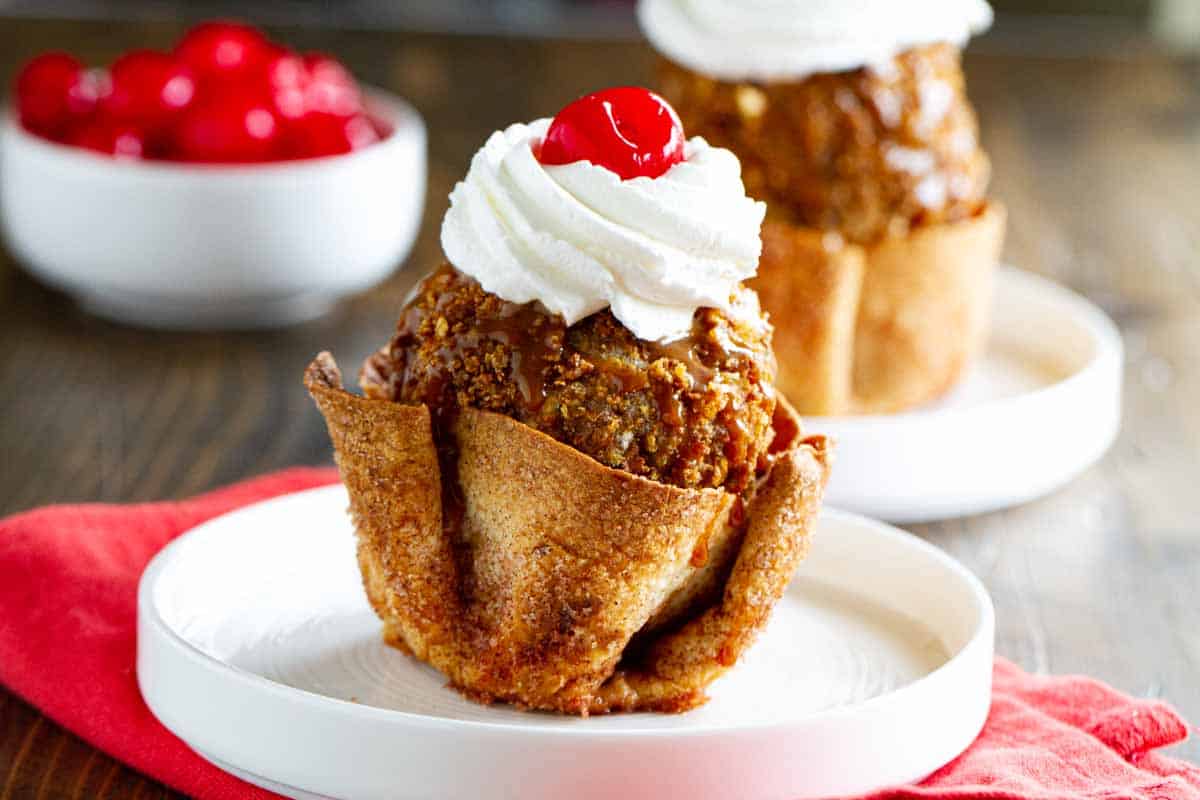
227 183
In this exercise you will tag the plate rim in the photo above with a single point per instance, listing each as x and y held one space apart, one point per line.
982 636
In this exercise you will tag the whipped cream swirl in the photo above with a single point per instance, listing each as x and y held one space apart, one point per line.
792 39
577 238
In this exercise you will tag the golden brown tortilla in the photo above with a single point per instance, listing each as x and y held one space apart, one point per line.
533 593
879 329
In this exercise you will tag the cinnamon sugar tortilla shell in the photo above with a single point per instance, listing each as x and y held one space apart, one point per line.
879 329
810 282
534 595
924 311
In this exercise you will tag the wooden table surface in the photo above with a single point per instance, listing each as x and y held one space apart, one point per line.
1097 160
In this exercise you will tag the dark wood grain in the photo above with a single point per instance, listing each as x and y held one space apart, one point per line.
1097 160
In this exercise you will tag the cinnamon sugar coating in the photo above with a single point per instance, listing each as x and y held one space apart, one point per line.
871 153
694 414
558 583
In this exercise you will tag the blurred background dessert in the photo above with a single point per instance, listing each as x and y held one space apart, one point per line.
856 121
853 123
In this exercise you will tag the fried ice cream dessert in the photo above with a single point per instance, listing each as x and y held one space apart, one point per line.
573 485
852 122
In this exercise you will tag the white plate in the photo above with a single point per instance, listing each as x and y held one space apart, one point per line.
256 646
1042 405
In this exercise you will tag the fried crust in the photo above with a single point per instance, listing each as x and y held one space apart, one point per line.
879 329
558 561
812 282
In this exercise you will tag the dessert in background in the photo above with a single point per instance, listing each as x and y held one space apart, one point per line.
853 123
224 95
574 486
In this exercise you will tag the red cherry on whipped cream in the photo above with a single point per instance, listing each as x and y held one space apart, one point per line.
629 130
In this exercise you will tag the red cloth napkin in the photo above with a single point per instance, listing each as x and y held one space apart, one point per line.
68 580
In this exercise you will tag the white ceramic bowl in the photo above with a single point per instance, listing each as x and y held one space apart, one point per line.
214 246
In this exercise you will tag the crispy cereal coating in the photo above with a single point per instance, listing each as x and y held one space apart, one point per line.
871 152
694 413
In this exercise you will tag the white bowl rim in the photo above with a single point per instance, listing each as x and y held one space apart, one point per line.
398 112
982 636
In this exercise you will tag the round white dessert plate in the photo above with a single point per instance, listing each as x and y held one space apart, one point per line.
1042 405
256 646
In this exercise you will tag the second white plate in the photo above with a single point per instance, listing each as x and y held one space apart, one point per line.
1042 405
257 647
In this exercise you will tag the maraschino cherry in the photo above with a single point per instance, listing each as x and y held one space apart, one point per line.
326 69
149 90
110 138
285 79
234 128
321 134
226 94
629 130
54 92
222 51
